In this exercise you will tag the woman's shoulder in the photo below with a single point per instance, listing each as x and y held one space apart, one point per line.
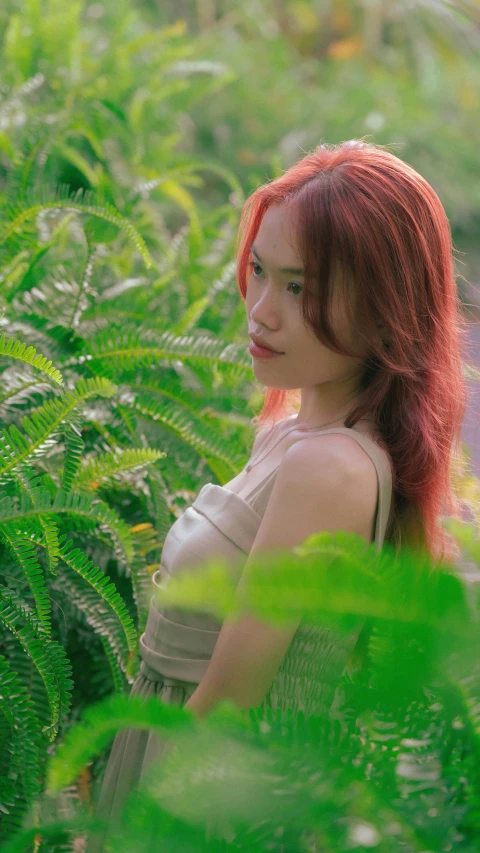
324 484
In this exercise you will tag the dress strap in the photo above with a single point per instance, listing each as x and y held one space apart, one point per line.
258 497
263 436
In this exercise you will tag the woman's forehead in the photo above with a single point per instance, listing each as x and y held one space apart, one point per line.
275 240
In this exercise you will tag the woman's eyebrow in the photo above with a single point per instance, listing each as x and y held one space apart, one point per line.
291 270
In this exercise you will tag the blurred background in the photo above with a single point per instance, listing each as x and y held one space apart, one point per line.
175 110
311 71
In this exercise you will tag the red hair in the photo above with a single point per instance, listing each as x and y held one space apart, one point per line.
361 212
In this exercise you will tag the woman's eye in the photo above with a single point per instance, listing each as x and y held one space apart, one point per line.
253 264
292 283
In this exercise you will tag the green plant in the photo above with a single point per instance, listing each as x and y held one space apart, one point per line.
395 766
65 467
125 151
101 366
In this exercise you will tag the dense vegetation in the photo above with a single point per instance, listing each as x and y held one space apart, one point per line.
129 139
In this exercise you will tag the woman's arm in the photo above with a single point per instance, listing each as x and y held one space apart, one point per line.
323 483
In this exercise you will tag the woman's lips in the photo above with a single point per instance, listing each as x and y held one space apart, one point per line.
262 352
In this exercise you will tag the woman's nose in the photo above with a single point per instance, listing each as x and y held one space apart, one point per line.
264 311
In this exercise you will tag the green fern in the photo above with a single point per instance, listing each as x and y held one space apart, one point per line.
118 681
22 754
19 389
92 509
41 427
29 676
39 198
193 431
23 551
37 506
105 589
19 350
73 452
99 724
30 485
102 467
83 597
113 351
46 654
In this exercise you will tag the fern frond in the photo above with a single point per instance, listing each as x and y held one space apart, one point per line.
190 317
195 165
43 331
74 448
115 350
24 552
104 515
26 281
159 506
43 197
22 665
145 537
19 350
102 620
78 504
99 722
22 758
142 593
48 656
178 193
43 424
128 419
106 465
118 682
103 586
30 484
21 391
192 430
166 384
14 270
53 301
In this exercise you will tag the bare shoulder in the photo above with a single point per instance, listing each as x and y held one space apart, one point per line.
324 482
337 460
343 453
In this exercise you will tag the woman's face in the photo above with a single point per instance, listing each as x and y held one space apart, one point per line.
273 307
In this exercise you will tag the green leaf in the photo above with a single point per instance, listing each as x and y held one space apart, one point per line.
22 756
103 586
106 465
335 574
46 654
43 424
74 447
44 197
23 551
18 350
101 721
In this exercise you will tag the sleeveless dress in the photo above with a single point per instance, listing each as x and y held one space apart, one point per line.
177 645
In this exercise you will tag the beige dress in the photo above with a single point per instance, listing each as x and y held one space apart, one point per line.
177 645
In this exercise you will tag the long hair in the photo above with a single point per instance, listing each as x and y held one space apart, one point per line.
367 222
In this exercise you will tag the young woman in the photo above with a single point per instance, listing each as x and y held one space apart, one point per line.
345 264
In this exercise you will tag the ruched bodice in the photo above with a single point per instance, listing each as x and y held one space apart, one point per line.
177 645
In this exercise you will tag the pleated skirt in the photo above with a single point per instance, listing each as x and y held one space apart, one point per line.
133 750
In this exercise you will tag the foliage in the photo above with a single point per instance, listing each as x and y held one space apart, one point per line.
101 367
126 152
396 764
